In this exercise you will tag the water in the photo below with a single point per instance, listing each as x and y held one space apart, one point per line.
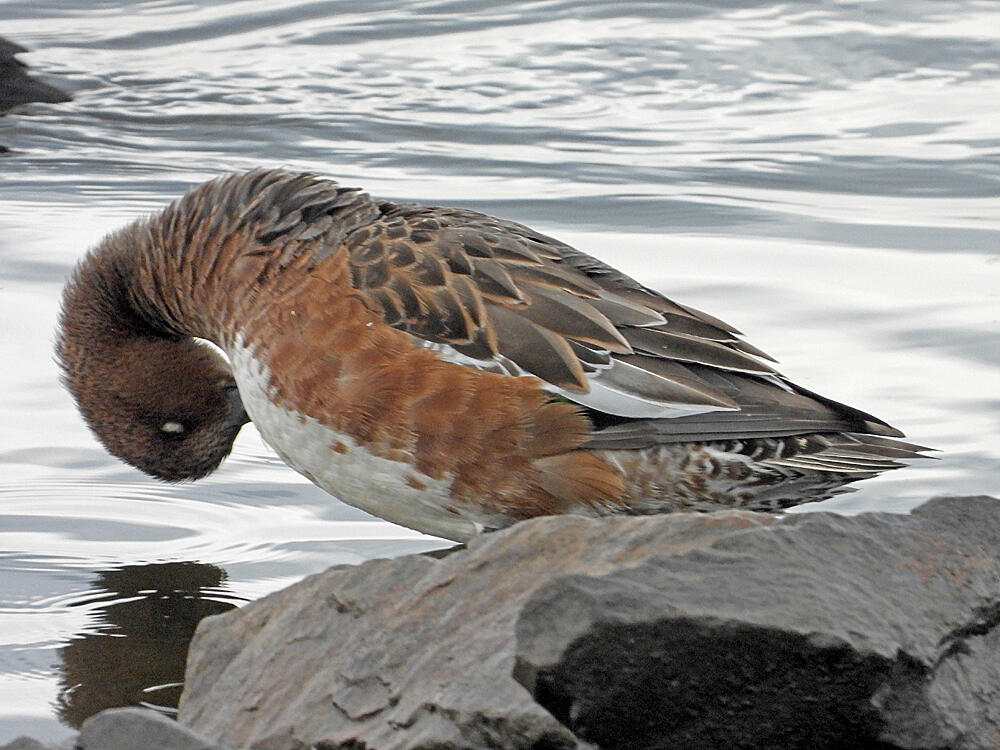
822 174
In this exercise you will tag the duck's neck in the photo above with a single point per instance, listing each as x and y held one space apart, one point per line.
206 267
126 295
127 328
202 266
188 278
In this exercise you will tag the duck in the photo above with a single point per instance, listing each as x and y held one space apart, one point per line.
445 370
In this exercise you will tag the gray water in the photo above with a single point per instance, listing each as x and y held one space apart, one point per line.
824 175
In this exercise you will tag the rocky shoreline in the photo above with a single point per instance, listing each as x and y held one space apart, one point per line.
734 629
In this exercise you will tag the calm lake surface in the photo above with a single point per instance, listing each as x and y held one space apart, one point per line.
824 175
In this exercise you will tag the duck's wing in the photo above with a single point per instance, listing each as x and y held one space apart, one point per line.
497 295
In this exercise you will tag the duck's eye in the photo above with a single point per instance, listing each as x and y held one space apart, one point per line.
173 428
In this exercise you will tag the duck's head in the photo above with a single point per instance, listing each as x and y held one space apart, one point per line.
165 403
173 415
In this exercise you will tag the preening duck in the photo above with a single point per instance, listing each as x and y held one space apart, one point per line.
443 369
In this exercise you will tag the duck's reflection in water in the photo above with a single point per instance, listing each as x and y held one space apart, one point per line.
134 651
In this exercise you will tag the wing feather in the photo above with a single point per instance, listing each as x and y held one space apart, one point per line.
501 296
537 350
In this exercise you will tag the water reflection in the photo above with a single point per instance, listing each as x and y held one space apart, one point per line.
143 619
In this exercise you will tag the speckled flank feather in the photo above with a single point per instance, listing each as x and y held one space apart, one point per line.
766 474
479 371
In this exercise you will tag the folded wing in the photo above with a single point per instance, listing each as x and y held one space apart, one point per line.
497 295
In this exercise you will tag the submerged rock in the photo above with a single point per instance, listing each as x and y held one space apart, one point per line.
29 743
694 631
16 86
138 729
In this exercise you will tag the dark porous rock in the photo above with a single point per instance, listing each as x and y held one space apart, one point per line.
412 653
822 631
138 729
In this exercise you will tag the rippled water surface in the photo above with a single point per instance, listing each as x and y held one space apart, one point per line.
822 174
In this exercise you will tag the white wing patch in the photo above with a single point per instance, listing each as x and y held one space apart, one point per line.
605 394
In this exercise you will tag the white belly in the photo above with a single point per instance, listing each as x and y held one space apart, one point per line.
351 473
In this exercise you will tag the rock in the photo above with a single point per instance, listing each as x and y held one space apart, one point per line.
414 652
730 629
138 729
823 631
16 86
25 743
30 743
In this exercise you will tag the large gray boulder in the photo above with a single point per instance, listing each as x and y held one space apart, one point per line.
687 631
414 652
822 631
